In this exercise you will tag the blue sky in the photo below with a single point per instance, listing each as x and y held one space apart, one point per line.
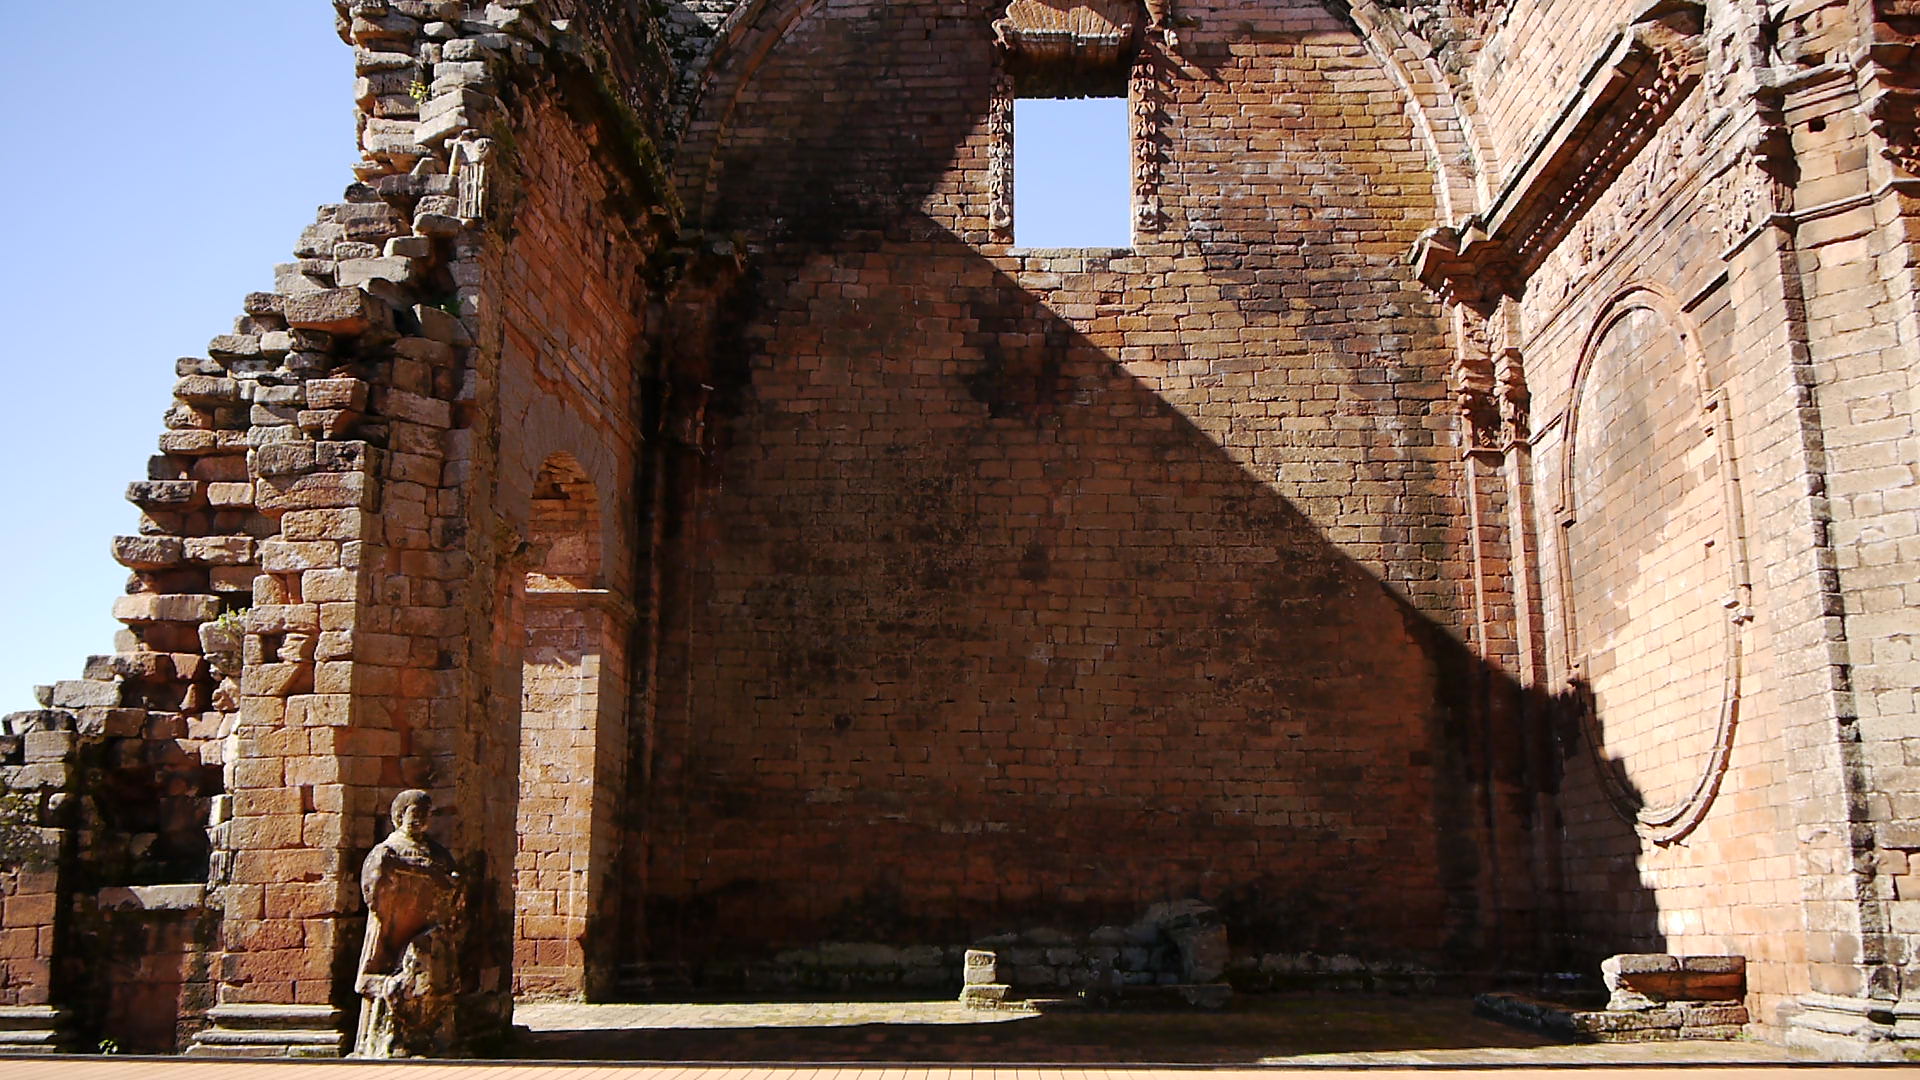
157 167
1072 176
159 162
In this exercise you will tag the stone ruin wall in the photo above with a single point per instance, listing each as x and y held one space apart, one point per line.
1756 242
796 510
332 474
943 461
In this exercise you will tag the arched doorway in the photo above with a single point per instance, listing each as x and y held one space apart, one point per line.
572 739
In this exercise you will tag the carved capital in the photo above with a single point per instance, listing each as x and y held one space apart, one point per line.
1472 379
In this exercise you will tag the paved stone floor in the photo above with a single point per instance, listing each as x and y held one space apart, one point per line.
1329 1037
1264 1030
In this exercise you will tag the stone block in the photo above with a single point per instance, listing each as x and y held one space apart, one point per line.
343 393
43 747
207 390
426 350
438 225
984 995
152 898
1641 981
441 326
415 408
284 459
336 311
158 607
85 693
230 496
362 272
159 495
409 247
220 550
1901 836
147 667
980 968
21 723
319 491
149 552
111 723
234 347
285 557
284 618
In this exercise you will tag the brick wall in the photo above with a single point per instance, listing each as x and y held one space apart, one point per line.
1053 584
571 307
1531 65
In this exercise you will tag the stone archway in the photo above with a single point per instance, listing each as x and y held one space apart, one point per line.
571 739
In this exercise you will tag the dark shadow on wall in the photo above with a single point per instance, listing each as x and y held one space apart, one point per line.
995 638
966 628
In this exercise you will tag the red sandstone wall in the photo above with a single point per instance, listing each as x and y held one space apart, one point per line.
1649 530
570 321
1043 586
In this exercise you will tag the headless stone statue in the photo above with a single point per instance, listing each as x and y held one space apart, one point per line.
415 903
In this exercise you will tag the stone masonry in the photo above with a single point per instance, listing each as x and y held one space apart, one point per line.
1471 532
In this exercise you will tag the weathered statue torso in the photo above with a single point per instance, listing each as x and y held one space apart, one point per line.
414 906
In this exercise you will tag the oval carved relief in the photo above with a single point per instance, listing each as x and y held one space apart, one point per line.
1653 574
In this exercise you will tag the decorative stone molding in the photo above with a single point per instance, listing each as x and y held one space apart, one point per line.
1510 392
1892 70
1471 378
1627 96
1000 159
1668 822
1068 33
1147 101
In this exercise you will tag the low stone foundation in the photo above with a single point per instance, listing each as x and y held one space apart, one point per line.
1175 954
1651 997
1676 1020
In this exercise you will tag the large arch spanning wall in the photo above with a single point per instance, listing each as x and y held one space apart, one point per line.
1063 583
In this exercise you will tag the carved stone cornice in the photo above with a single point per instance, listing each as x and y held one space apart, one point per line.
1891 69
1637 83
1069 33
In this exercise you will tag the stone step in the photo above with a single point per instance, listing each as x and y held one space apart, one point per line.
34 1029
295 1031
287 1043
275 1017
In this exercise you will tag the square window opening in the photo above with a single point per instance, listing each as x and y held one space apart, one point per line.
1072 173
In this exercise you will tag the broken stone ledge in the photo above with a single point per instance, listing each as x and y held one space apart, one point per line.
1652 997
1674 1021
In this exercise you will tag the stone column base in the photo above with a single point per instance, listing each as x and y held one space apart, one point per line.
271 1031
1855 1029
34 1029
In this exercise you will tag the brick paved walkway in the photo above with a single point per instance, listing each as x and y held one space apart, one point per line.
1331 1037
175 1069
